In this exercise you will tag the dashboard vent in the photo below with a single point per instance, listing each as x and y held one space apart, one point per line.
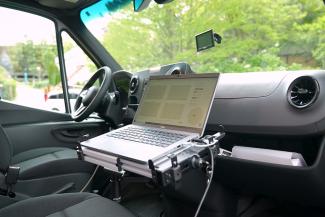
134 83
303 92
176 72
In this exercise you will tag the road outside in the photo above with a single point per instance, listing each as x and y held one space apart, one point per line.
29 96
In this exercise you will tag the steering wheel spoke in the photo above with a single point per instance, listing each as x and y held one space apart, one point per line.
83 93
80 109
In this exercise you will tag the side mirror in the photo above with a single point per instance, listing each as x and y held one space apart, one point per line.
139 5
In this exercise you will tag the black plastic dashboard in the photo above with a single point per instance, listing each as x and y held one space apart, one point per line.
254 103
140 79
274 110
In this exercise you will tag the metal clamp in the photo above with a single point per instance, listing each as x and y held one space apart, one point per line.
79 152
119 166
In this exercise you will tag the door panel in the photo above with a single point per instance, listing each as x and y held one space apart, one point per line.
71 132
11 113
51 134
29 128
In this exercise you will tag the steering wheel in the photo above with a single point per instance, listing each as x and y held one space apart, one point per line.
91 96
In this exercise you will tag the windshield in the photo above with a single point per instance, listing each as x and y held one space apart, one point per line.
265 35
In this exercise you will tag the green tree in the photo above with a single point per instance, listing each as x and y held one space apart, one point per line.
36 59
253 34
7 85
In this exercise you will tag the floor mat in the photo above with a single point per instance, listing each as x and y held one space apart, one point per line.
147 206
143 199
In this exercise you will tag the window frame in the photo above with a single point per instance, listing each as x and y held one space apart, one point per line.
73 25
66 30
58 27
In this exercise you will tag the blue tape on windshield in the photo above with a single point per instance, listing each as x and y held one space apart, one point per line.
101 8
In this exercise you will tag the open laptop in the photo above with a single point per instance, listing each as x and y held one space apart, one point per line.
173 110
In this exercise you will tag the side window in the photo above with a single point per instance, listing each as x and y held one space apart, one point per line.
29 70
79 67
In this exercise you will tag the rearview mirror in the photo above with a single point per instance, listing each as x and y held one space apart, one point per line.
139 5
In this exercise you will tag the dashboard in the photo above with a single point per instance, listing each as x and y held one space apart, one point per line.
272 110
272 103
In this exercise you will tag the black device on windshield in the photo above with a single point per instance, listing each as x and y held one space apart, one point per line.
207 40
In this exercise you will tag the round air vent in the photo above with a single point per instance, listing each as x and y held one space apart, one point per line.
303 92
176 72
134 83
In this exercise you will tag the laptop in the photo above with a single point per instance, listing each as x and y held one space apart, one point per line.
173 110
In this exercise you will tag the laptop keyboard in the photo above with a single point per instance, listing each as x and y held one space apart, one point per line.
148 136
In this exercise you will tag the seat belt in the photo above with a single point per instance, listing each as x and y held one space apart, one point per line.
11 178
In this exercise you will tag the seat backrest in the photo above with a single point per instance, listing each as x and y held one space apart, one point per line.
5 150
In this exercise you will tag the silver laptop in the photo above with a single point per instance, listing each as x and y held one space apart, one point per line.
173 110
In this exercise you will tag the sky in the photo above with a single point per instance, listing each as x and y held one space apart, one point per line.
16 26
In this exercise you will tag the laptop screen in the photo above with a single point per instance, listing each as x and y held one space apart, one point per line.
182 101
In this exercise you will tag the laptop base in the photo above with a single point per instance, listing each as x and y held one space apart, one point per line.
168 170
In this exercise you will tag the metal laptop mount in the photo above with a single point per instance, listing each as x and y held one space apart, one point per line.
195 157
166 171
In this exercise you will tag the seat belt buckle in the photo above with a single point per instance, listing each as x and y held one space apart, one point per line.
11 178
12 175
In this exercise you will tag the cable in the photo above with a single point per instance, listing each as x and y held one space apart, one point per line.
90 179
208 141
208 185
203 143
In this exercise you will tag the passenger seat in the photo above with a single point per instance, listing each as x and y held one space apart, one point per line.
66 205
44 170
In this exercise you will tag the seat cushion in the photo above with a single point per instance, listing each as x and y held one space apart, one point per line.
66 205
44 162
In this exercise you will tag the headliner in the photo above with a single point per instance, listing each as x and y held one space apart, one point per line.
55 6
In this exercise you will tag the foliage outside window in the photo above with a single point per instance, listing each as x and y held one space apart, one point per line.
38 60
7 85
265 35
29 70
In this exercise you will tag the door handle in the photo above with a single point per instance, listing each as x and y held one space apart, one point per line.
72 134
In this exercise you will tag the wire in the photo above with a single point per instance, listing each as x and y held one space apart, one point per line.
207 141
202 143
208 185
90 179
